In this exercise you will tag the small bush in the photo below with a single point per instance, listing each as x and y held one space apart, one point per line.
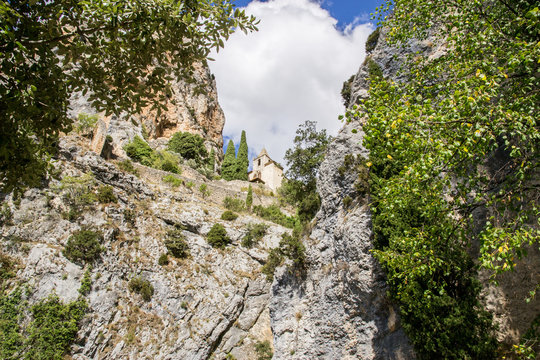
189 146
347 201
273 213
291 246
127 166
346 91
84 246
6 216
255 232
129 216
163 260
190 185
205 192
85 124
234 204
164 160
78 191
374 70
249 198
173 180
141 286
217 236
229 215
86 283
106 195
138 150
264 350
372 40
275 259
7 268
176 244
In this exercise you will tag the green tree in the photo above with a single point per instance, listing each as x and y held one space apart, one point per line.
458 136
189 146
242 161
303 161
122 54
228 168
249 198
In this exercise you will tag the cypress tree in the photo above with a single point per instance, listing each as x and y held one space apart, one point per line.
228 168
242 161
249 198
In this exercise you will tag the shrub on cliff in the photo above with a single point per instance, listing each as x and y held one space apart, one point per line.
84 246
189 146
228 215
217 236
176 244
141 286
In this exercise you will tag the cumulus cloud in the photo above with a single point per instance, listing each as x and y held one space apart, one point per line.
290 71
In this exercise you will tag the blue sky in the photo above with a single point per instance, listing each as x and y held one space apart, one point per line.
345 11
291 70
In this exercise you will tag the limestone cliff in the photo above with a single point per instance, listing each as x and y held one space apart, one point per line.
210 304
338 308
191 107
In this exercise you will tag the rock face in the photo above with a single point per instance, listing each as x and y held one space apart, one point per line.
210 304
192 107
338 308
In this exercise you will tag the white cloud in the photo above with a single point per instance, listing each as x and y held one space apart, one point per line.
290 71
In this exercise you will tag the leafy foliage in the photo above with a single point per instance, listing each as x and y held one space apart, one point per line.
121 54
275 259
7 268
84 246
205 192
85 123
291 247
127 166
228 167
138 150
234 204
52 328
163 260
228 215
141 152
86 282
303 161
264 350
217 236
346 91
242 161
254 233
459 135
176 244
189 146
372 40
141 286
273 213
249 198
106 195
173 180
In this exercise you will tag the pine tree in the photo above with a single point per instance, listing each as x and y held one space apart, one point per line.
228 168
242 161
249 198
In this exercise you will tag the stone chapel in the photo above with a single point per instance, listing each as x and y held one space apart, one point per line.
266 171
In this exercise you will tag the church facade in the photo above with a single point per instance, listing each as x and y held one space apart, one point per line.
266 171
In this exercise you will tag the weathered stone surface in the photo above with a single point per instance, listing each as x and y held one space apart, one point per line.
214 302
338 308
193 107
